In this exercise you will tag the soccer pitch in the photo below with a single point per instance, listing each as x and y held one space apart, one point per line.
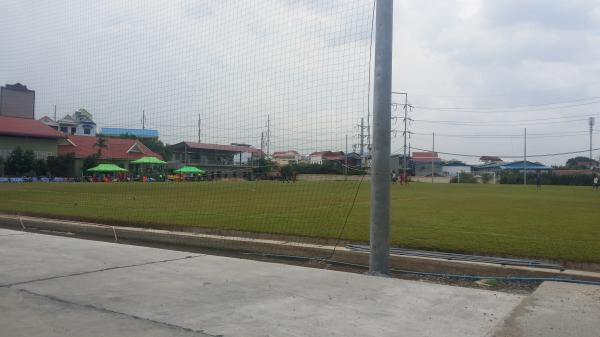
558 222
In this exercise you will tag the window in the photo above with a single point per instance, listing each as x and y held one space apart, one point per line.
73 131
64 129
87 131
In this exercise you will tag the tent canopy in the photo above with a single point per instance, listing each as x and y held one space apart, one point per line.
106 168
149 160
189 169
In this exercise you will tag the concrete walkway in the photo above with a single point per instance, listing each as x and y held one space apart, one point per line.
59 286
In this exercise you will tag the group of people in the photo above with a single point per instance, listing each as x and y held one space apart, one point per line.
402 178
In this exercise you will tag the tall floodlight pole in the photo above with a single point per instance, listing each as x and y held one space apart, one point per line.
525 158
592 121
382 113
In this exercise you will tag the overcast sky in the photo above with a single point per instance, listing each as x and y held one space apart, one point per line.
473 69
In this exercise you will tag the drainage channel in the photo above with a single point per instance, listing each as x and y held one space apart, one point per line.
462 257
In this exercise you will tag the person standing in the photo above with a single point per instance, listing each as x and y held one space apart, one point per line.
538 181
595 183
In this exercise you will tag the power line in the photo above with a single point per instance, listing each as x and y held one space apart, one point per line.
506 136
537 121
502 156
522 108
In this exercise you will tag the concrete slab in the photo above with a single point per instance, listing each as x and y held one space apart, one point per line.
234 297
556 310
25 314
28 256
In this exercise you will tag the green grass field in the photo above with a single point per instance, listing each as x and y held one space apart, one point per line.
559 222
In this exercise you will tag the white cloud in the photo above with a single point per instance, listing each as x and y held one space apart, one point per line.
305 63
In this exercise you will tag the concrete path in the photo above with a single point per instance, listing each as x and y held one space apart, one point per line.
556 310
58 286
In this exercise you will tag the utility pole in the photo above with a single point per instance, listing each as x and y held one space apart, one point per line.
262 141
361 136
143 119
432 155
199 129
268 135
406 106
55 112
525 158
346 159
382 110
592 121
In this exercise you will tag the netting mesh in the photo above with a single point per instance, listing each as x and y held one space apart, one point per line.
263 96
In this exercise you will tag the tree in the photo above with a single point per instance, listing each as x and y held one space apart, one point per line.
91 161
19 162
60 166
40 168
581 163
100 144
157 146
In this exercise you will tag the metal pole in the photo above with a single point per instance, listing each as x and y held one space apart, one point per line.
143 119
346 161
199 129
432 154
362 137
382 105
592 120
525 158
405 112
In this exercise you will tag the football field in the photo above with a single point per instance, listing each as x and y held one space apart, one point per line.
558 222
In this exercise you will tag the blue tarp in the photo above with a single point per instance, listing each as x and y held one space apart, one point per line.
140 133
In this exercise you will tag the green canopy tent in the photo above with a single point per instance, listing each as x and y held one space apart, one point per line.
106 168
189 170
149 161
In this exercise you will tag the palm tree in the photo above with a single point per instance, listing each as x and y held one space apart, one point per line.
100 144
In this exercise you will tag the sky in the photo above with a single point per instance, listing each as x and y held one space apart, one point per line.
477 73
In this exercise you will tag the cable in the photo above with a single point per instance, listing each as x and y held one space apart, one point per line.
507 136
541 107
501 123
528 156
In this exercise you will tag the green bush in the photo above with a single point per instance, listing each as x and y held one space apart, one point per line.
547 179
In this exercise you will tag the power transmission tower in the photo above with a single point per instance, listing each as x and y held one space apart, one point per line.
361 138
406 107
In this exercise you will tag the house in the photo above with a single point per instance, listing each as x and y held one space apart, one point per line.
518 166
286 157
521 166
454 167
138 133
324 157
117 151
217 159
353 159
490 159
397 164
17 101
80 124
427 164
28 134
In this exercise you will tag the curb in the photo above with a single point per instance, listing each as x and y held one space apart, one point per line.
236 244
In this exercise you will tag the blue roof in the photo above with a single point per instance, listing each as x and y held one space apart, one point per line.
519 165
140 133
